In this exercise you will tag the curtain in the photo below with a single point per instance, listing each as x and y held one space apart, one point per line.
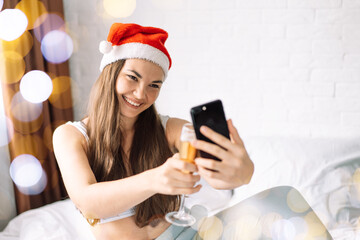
34 171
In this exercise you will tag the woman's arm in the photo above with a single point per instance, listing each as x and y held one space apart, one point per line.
95 200
106 199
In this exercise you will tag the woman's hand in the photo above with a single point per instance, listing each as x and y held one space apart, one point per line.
171 178
235 167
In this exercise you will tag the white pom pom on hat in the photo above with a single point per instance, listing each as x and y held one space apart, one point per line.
126 41
105 47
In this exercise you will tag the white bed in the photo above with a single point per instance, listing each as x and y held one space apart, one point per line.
325 171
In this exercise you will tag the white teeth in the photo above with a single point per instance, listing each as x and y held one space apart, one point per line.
131 102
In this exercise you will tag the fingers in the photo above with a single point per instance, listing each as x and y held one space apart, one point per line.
175 183
216 137
173 179
234 133
213 149
183 166
188 191
209 174
208 164
184 177
214 169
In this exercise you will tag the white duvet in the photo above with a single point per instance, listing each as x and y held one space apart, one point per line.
323 170
56 221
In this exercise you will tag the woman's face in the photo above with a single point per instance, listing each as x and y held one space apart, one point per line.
138 86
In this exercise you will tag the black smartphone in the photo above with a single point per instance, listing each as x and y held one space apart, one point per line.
212 115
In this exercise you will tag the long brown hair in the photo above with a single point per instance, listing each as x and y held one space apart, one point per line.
149 147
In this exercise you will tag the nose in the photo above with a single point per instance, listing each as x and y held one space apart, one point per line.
140 92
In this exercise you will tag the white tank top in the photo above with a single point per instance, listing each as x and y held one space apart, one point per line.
79 125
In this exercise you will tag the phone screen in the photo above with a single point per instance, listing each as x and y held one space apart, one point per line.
212 115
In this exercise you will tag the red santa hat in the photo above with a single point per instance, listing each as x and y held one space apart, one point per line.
134 41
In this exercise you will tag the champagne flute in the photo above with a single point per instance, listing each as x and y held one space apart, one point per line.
187 153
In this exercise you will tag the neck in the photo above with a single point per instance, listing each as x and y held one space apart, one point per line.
128 124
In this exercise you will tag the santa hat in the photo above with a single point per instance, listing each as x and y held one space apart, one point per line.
134 41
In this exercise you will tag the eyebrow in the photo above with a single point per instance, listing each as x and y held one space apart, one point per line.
139 76
136 73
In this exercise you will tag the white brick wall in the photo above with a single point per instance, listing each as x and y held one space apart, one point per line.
283 67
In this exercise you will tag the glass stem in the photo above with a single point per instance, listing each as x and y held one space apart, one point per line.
182 208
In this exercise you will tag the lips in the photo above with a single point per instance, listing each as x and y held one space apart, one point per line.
131 103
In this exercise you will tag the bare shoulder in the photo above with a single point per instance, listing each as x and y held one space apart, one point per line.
68 135
175 123
173 131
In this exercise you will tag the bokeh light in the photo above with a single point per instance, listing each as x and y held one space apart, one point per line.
6 129
300 225
283 230
21 45
46 23
32 9
267 221
29 127
29 144
356 176
23 110
57 46
61 84
210 228
247 227
61 94
36 86
12 67
6 126
28 174
296 202
17 27
199 213
316 228
119 8
355 188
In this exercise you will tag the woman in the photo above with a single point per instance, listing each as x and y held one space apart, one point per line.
118 164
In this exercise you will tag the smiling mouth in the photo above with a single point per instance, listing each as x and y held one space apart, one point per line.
133 104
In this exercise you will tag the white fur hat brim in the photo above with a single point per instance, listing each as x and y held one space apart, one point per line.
134 50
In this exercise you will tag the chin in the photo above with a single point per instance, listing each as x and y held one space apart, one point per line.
129 114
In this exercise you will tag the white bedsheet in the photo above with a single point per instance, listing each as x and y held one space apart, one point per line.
56 221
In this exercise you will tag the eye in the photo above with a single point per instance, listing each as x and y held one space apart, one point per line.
132 77
154 86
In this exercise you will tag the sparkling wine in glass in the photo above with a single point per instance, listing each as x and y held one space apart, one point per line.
187 153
